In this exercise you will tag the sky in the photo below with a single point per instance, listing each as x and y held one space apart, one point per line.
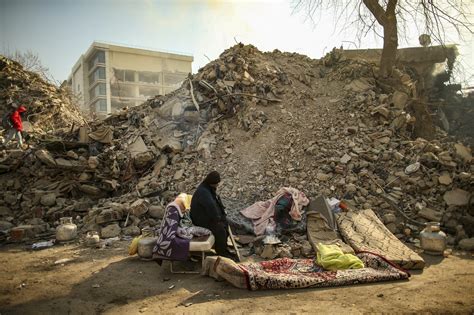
59 31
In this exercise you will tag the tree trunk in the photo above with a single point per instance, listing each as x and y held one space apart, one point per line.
390 41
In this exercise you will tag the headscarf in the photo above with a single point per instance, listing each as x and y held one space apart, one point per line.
212 178
185 199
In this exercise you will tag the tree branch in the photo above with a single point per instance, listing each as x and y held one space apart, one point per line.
376 9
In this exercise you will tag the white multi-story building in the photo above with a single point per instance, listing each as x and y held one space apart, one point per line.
109 77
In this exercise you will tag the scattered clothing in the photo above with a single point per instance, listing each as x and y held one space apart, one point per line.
331 257
263 212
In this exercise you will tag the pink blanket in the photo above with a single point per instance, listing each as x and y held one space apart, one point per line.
262 212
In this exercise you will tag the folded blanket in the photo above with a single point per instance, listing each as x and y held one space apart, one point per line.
331 257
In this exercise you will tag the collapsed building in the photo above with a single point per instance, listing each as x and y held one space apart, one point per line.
264 120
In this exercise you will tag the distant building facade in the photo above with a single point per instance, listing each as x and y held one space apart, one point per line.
109 77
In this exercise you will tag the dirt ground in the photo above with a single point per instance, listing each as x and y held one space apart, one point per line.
108 281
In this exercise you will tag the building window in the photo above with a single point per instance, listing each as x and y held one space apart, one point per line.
101 105
99 89
123 90
98 74
99 57
174 79
149 77
148 91
124 75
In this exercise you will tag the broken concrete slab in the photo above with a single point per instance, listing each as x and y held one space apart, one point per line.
48 200
137 147
430 214
399 99
139 207
445 179
45 157
359 85
168 144
457 197
463 152
111 230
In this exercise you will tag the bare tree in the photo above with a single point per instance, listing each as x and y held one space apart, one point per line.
394 17
30 62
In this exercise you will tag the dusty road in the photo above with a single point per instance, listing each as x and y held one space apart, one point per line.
108 281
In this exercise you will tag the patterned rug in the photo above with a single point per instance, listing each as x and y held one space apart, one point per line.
285 273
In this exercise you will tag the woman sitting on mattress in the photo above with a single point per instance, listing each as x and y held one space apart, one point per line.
175 235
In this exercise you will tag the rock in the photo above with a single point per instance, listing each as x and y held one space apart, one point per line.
108 215
307 249
445 179
457 197
22 232
48 200
345 159
156 211
111 230
351 188
430 214
392 227
467 244
381 110
168 144
63 163
131 231
323 177
72 155
5 211
137 147
389 218
139 207
359 85
5 226
179 174
10 198
399 99
93 162
45 157
463 152
284 252
161 163
142 159
89 189
269 252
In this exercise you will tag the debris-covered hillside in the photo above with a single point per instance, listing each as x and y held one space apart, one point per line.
49 107
263 120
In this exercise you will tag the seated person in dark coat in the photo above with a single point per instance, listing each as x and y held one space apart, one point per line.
207 211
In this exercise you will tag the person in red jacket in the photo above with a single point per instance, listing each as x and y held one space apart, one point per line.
17 126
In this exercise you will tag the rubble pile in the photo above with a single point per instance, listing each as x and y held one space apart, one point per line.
48 107
264 121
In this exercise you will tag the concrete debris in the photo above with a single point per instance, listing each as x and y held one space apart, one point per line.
265 121
467 244
457 197
111 230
